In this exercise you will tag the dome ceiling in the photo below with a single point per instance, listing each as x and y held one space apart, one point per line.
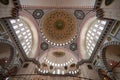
59 40
58 56
58 61
59 27
58 36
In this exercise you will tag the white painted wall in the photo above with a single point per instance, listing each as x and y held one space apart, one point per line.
88 73
58 3
85 72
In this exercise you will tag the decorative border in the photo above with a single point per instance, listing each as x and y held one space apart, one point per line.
99 13
15 10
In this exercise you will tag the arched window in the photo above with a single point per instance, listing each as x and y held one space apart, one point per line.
93 35
24 34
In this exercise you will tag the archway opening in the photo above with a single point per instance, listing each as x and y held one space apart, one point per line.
112 54
5 54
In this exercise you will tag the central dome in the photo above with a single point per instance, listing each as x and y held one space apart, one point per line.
59 27
59 24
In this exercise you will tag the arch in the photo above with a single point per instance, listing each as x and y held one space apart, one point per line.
63 56
90 17
58 61
90 31
103 56
35 30
93 34
26 26
12 52
23 33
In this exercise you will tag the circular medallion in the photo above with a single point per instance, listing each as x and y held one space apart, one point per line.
108 2
38 13
73 46
44 46
59 27
5 2
79 14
